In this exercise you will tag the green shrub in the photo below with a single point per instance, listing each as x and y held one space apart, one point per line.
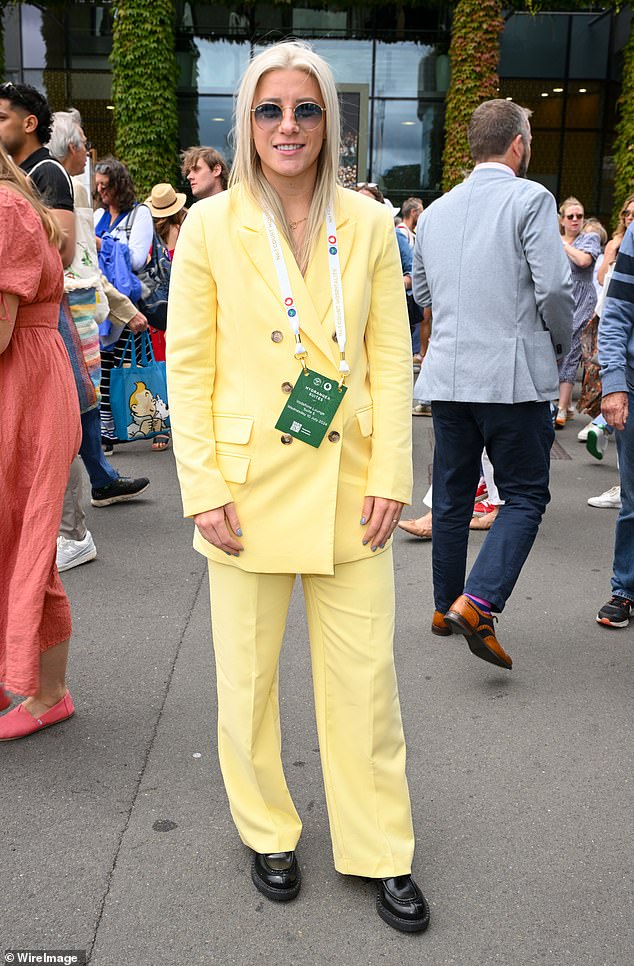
144 90
474 53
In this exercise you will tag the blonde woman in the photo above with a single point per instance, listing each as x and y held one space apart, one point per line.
285 290
37 393
582 251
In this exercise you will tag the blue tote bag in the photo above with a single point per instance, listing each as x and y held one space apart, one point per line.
138 393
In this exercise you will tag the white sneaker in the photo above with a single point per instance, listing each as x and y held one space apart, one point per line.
72 553
583 434
611 499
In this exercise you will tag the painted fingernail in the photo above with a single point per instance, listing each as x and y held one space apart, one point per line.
239 532
373 549
227 553
362 521
382 546
236 555
364 542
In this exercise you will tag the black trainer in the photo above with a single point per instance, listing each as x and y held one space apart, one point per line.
122 489
616 613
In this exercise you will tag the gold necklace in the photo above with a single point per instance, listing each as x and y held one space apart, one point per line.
293 224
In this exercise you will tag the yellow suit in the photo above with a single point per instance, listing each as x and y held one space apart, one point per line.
230 368
227 382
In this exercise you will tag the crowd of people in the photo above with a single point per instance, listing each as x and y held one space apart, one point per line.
288 383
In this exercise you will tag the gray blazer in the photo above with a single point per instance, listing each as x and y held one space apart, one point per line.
489 260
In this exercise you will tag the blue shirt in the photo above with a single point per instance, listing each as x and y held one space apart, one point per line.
616 327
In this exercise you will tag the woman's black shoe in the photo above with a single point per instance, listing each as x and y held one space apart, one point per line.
402 905
276 875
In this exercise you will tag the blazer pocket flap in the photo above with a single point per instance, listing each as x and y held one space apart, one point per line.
234 468
364 419
232 429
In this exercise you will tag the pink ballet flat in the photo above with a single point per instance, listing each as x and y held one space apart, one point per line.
5 700
19 723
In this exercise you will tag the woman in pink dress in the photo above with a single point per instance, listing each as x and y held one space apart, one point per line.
40 435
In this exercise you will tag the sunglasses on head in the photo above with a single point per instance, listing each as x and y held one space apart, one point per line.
308 115
367 184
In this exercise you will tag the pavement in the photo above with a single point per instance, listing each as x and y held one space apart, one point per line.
116 836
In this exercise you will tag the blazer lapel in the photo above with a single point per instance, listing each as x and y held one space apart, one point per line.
253 237
318 274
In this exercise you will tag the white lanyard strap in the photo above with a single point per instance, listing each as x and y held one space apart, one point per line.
285 285
337 290
286 291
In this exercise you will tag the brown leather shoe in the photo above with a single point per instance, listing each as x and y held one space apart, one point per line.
439 625
465 617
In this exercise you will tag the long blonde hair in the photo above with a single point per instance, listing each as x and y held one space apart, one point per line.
11 177
247 170
621 227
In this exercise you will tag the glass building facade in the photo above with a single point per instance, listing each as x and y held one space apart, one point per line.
392 68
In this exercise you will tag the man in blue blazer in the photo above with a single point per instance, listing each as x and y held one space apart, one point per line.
489 261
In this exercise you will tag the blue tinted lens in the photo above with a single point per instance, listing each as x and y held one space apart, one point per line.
268 113
308 112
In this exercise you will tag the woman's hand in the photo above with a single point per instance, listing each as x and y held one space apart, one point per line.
218 528
380 516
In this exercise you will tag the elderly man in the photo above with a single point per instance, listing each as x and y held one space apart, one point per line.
616 355
75 545
206 170
489 258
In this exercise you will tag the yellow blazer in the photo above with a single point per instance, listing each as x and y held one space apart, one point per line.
230 361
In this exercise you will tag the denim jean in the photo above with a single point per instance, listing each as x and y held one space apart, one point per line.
623 566
518 439
99 470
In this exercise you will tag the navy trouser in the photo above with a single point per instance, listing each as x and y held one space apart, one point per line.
623 567
518 439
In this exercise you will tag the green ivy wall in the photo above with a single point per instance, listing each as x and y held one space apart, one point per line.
624 143
144 90
474 55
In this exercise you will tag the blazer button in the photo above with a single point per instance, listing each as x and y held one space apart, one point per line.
334 437
286 439
287 387
276 335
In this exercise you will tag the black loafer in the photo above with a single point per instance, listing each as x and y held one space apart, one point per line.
276 875
402 905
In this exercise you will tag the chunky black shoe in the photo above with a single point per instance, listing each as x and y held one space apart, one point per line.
616 613
402 905
276 875
122 489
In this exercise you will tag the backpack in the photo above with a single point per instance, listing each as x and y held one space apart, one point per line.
155 281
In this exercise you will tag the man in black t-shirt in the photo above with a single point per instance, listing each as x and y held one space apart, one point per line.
25 127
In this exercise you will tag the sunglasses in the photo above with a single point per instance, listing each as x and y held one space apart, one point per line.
626 212
308 115
368 184
574 217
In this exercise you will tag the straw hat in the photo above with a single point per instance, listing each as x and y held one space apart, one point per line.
164 201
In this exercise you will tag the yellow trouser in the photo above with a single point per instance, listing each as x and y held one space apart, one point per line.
351 629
